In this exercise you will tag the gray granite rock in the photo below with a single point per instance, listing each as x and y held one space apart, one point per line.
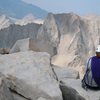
30 75
65 73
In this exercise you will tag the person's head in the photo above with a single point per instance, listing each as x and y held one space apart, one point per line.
98 51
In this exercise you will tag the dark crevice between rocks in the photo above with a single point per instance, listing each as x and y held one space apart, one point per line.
68 93
56 78
55 75
15 92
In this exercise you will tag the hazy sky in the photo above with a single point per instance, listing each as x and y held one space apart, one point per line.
82 7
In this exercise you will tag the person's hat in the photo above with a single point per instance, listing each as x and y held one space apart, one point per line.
98 48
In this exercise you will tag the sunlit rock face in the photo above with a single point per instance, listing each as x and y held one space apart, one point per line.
74 37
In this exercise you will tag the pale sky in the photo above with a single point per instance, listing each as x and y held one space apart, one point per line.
82 7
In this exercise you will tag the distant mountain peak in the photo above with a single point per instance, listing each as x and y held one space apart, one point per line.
19 9
29 16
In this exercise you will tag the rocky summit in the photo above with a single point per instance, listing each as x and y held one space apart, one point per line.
47 61
70 39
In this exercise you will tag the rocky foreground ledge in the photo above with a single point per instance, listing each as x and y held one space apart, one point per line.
72 90
30 76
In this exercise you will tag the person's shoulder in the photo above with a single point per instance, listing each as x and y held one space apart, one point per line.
92 57
89 59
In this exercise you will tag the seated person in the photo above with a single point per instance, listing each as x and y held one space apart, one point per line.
92 76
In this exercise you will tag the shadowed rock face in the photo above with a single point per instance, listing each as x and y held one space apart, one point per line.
10 35
70 93
74 37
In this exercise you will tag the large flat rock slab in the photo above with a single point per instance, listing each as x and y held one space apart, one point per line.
30 74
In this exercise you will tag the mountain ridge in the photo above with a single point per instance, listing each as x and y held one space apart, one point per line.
19 9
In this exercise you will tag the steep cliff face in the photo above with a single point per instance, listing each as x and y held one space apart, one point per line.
49 34
49 31
10 35
74 37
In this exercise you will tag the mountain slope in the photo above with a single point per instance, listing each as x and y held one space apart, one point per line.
74 37
18 9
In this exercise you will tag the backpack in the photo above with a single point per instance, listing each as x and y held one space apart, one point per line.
95 67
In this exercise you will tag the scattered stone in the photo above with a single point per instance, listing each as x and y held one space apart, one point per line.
4 50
